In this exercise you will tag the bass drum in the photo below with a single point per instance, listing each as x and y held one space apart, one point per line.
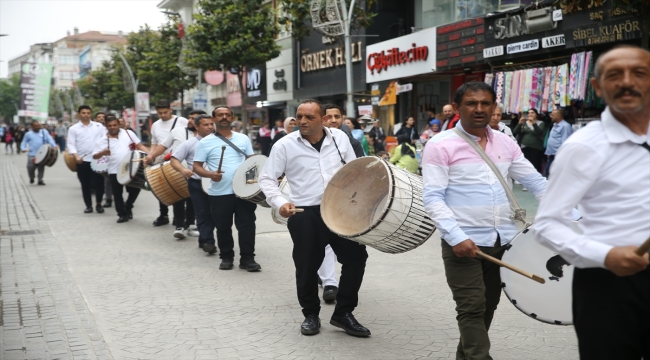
168 185
46 155
131 170
70 161
550 302
100 166
377 204
249 171
286 193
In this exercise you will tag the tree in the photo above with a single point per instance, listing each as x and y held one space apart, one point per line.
232 34
9 96
640 9
104 87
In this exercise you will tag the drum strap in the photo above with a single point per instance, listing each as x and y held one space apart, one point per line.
337 148
645 146
224 139
518 212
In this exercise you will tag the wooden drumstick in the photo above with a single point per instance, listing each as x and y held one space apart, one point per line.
296 210
251 181
644 248
534 277
223 150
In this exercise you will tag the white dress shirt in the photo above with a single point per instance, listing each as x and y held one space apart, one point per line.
119 147
308 171
82 139
161 128
176 137
602 169
185 152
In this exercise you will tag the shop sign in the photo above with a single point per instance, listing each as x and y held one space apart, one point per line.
557 15
401 57
200 101
328 58
523 46
280 83
253 83
375 92
493 51
404 88
365 110
606 32
460 44
213 77
553 41
390 96
529 22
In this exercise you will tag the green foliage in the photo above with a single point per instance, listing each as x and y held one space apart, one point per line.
9 94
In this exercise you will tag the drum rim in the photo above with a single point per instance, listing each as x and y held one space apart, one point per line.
252 157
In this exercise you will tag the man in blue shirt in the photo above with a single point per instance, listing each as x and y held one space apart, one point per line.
223 202
560 131
34 140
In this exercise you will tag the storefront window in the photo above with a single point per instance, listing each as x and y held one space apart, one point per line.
430 13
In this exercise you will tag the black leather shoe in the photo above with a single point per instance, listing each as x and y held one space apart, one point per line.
41 183
122 219
108 203
129 214
211 249
88 210
161 220
329 293
249 265
31 181
99 209
311 325
348 323
226 264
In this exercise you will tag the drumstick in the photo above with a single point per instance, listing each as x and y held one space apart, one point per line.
534 277
223 149
296 210
644 248
256 181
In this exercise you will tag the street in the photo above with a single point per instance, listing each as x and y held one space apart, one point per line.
81 286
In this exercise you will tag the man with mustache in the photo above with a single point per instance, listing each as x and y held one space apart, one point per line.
604 169
471 210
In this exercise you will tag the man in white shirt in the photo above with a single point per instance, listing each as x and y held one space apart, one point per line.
82 138
309 158
159 131
115 145
223 202
185 152
604 168
183 210
497 125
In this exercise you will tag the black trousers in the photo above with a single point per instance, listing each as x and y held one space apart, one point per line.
88 178
183 213
310 235
535 157
201 202
223 208
611 314
118 188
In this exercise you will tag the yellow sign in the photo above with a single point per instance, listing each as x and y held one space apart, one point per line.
390 96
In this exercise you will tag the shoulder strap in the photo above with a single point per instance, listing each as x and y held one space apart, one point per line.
645 146
174 124
230 143
518 212
130 138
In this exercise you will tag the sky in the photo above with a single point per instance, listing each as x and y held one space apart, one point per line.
28 22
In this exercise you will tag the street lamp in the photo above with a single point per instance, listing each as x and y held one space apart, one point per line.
134 87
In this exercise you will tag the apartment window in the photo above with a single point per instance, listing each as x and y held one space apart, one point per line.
68 60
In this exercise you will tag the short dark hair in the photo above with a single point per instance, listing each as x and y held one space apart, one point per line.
163 104
314 101
535 110
100 113
199 112
354 122
331 106
473 86
84 107
197 120
109 118
35 121
214 111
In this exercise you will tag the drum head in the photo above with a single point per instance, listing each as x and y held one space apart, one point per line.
550 302
357 196
99 165
42 153
286 193
135 165
124 171
250 169
69 161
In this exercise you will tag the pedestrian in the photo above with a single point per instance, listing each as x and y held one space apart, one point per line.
334 120
184 216
404 155
18 137
409 129
374 146
223 202
532 141
236 126
278 127
379 132
100 117
451 117
470 209
264 138
60 133
559 133
166 122
432 129
287 128
604 169
9 142
309 158
81 141
497 125
115 145
34 140
204 126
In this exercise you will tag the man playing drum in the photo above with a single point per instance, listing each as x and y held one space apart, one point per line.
471 210
34 140
116 144
185 152
309 158
604 168
82 138
223 202
184 209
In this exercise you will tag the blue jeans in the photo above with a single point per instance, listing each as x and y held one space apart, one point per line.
60 140
202 212
548 165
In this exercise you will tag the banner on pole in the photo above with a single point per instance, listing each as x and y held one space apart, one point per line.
142 105
35 82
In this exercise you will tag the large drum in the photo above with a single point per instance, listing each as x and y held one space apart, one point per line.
70 161
131 170
377 204
167 184
549 302
286 193
46 155
100 166
244 182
